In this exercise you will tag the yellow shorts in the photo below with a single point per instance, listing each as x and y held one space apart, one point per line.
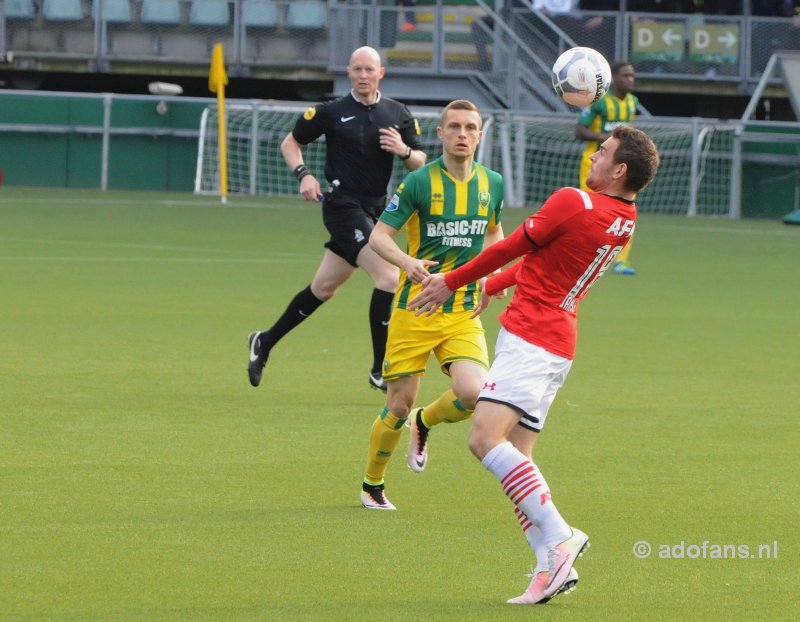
450 336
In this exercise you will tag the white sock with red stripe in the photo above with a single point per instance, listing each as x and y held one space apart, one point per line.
525 485
535 539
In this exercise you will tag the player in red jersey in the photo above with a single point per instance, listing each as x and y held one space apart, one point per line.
565 247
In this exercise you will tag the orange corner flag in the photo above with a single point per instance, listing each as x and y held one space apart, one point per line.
217 78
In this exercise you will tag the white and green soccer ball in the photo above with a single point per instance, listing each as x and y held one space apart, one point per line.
581 76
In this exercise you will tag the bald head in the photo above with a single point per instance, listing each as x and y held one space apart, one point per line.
365 72
366 54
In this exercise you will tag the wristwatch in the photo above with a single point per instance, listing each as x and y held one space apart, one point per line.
406 155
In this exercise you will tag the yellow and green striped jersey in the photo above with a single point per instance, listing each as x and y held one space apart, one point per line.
445 221
604 115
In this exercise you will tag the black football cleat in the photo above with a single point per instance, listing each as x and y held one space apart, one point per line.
376 381
258 358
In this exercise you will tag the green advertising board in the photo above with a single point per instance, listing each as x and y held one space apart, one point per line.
658 41
714 43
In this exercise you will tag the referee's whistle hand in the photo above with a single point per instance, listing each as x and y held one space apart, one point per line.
309 188
391 140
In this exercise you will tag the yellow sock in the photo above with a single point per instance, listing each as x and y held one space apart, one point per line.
625 253
446 408
386 432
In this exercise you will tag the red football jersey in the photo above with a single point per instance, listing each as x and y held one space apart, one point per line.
565 246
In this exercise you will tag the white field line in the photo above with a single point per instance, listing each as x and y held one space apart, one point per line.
268 202
127 246
785 233
190 260
206 201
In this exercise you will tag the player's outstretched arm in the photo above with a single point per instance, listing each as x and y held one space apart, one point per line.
438 287
433 295
381 240
483 301
493 235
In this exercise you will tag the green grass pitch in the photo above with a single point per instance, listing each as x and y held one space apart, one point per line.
142 478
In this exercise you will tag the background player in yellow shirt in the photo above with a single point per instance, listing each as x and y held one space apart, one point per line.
448 208
595 125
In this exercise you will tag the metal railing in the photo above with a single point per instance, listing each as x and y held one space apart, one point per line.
302 37
709 167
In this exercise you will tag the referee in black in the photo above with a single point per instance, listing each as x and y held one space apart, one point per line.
364 132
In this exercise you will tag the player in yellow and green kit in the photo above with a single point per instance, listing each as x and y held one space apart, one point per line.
448 209
595 125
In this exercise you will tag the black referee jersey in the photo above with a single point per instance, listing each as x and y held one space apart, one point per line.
354 155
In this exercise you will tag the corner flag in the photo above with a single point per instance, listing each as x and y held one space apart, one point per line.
217 79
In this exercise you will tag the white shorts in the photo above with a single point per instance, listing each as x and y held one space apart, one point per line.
524 377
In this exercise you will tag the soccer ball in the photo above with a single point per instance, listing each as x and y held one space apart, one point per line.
581 76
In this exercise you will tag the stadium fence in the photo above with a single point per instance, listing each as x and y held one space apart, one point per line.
536 154
114 142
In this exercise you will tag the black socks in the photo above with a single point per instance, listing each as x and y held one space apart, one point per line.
301 307
380 309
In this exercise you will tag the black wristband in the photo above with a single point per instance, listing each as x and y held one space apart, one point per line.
407 154
301 171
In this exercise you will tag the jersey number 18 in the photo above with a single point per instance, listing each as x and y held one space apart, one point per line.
604 258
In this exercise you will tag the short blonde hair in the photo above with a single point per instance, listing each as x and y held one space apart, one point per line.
460 104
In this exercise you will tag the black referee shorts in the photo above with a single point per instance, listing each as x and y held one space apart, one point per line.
350 220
